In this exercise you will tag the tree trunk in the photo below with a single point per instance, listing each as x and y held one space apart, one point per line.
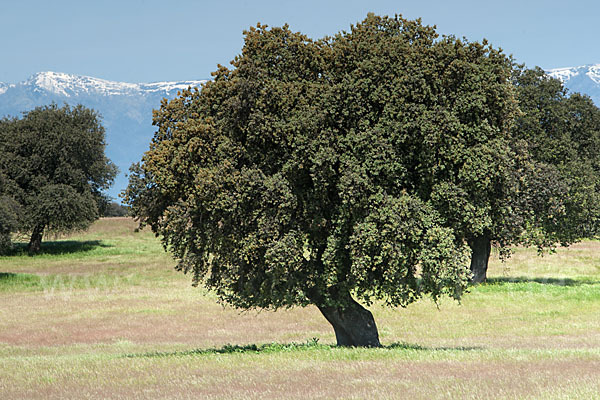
353 324
35 243
481 247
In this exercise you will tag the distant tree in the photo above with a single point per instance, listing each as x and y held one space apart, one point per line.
317 172
562 134
114 209
55 168
546 191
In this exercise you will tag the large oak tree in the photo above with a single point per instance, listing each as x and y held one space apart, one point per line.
356 167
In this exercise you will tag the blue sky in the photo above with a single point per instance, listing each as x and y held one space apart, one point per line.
149 40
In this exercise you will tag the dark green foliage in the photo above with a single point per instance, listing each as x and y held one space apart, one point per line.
55 169
359 164
9 211
114 209
543 180
562 135
9 214
445 108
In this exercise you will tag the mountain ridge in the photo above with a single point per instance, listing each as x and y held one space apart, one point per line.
72 85
584 79
125 108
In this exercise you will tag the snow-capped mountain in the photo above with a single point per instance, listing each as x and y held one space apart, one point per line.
3 87
73 85
584 79
126 109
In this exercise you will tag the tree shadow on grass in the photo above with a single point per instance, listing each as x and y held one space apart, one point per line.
230 349
288 347
542 281
411 346
8 276
59 247
10 280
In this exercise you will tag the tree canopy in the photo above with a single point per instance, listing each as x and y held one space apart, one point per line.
323 171
54 168
365 166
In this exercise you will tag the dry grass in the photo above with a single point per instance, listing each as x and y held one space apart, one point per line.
111 319
316 373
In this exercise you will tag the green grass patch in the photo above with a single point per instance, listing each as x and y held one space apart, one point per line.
10 281
573 290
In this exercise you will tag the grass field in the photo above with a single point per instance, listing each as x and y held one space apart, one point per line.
103 314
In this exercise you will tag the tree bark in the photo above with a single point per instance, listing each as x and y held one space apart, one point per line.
35 243
353 324
481 247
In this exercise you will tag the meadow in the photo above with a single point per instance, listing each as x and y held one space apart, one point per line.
103 314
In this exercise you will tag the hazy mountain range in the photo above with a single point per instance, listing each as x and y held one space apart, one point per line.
584 79
126 108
